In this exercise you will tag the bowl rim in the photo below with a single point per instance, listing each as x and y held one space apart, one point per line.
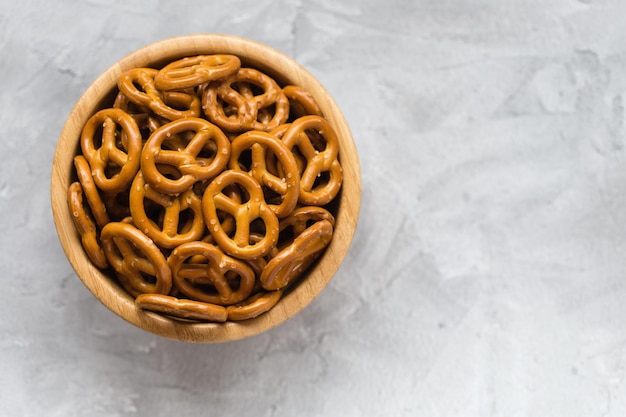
118 300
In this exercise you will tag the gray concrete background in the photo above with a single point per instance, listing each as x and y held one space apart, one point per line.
487 276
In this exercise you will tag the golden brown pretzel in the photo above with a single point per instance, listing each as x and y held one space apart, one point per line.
231 104
254 306
133 255
319 161
97 207
261 143
174 228
188 161
101 157
85 226
193 71
301 101
210 267
303 217
181 308
149 97
291 261
245 213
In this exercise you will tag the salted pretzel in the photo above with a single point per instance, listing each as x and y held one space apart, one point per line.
182 308
254 305
211 268
260 144
232 104
193 71
138 85
244 214
291 261
102 151
97 207
188 161
134 255
318 162
174 228
303 217
85 226
301 101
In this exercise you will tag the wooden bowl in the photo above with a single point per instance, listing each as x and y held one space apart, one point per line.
105 288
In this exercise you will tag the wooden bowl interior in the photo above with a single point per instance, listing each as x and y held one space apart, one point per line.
101 94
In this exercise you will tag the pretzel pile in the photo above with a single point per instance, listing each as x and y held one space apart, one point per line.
205 187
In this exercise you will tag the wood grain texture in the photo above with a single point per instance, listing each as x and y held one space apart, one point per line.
105 288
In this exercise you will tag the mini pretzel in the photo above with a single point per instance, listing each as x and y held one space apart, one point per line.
133 255
291 261
254 306
301 101
210 266
98 209
260 143
243 106
149 97
303 217
85 226
318 161
173 231
245 213
101 157
190 72
181 308
187 161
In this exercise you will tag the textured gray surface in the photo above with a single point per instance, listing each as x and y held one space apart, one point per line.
487 276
